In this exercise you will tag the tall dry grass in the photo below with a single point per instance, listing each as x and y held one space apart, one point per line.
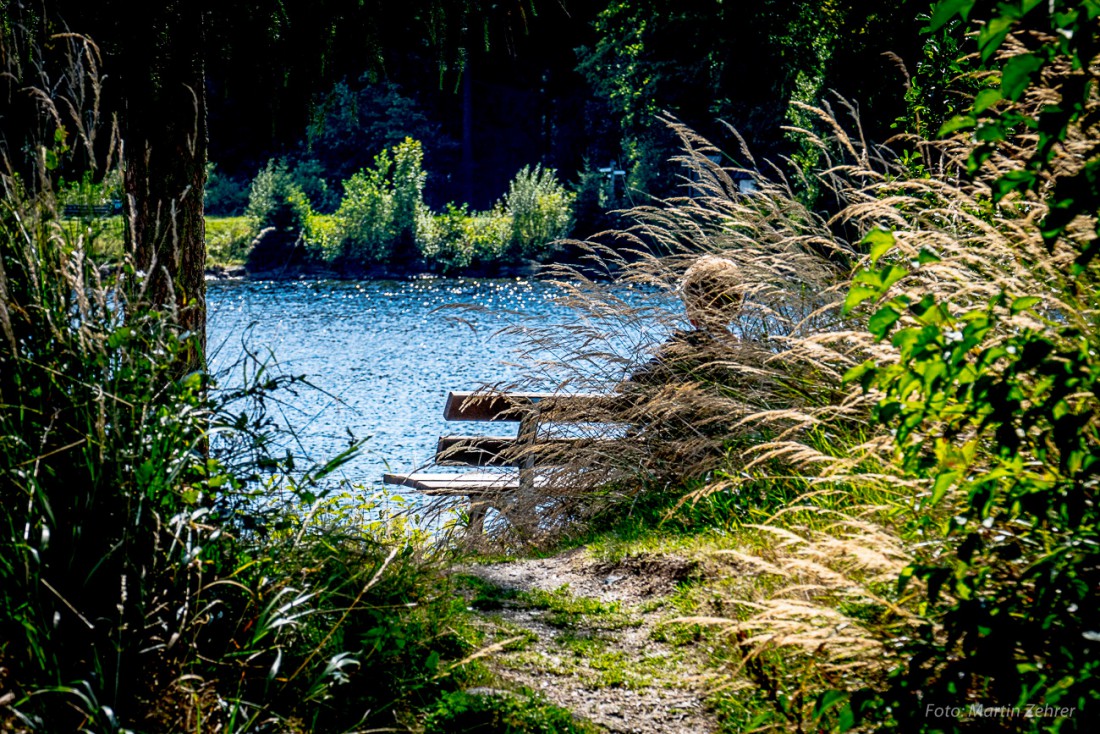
765 414
765 398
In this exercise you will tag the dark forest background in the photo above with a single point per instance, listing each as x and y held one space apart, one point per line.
491 88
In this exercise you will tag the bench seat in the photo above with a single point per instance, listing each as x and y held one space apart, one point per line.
465 484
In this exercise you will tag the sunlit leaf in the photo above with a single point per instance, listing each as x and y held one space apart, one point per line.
993 34
948 9
986 99
880 241
857 294
943 483
857 372
1024 303
879 323
1016 75
958 122
926 257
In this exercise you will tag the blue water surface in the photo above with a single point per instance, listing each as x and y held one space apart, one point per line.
381 355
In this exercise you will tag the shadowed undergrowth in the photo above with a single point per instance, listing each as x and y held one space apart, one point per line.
164 565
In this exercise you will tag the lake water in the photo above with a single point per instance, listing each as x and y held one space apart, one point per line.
380 353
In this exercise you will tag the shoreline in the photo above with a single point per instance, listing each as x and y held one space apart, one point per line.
527 269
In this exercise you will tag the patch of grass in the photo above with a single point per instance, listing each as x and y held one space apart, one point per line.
500 712
679 520
228 240
569 611
502 629
564 609
481 594
679 634
612 666
600 662
103 238
545 664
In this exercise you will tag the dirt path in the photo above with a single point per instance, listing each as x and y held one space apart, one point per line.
597 639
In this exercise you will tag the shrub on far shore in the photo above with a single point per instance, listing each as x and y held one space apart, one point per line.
228 240
457 239
275 200
382 216
364 220
225 195
541 211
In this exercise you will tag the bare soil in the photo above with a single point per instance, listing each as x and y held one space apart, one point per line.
606 668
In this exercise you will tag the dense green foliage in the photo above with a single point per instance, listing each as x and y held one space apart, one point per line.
586 79
458 238
276 200
351 123
539 209
1006 429
383 217
747 65
1063 61
224 195
367 211
165 565
148 581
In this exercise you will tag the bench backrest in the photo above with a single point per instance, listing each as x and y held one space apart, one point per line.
90 210
529 410
516 406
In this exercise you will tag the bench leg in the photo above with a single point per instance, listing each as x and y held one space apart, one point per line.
477 517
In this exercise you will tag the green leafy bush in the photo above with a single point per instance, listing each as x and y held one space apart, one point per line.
309 175
323 236
992 398
457 239
228 240
382 215
408 196
541 211
366 214
225 196
90 192
275 200
1005 431
161 568
488 233
147 579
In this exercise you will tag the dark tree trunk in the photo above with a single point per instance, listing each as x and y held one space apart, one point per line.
162 122
467 132
154 82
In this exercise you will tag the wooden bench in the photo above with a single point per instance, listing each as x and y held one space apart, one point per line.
72 211
528 457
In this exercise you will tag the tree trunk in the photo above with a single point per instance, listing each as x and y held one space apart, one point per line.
468 131
162 122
